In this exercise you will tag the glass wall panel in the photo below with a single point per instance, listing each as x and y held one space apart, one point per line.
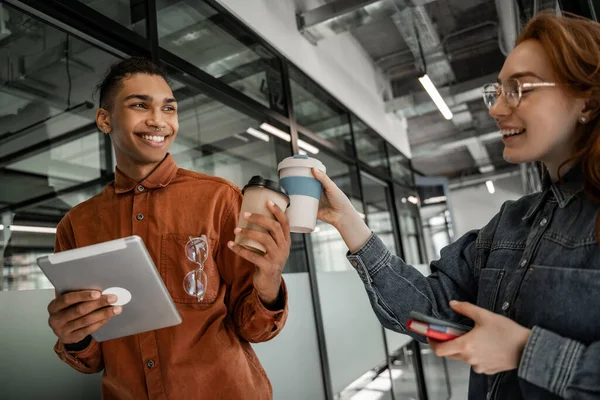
370 147
318 112
347 314
378 203
399 166
221 47
410 225
129 13
48 139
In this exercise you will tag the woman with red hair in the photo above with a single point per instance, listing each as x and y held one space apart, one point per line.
529 281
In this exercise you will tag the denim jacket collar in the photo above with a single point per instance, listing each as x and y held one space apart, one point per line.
564 191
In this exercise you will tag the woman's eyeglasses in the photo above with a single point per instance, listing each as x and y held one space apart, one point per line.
512 90
195 282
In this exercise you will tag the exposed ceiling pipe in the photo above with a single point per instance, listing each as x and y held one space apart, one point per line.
508 15
481 179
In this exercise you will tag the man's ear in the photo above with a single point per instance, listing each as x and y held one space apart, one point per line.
103 120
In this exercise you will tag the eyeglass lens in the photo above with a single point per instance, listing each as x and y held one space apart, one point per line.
510 89
195 282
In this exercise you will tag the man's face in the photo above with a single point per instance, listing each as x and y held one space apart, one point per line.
143 119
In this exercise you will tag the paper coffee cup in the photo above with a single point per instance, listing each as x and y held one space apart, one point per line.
256 194
296 177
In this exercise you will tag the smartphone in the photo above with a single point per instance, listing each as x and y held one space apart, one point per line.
435 328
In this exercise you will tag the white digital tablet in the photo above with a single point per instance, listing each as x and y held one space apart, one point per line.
122 267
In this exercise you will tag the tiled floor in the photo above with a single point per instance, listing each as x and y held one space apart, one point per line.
435 377
374 386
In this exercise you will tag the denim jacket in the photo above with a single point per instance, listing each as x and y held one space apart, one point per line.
537 262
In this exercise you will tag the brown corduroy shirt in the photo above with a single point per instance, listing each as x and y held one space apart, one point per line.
207 356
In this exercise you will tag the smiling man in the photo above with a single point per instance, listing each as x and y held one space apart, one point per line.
208 356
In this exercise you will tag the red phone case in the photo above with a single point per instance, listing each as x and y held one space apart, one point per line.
440 336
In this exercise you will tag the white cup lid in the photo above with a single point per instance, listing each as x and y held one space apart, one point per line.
300 160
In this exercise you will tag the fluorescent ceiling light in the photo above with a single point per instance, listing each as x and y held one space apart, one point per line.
32 229
308 147
276 132
490 187
435 200
240 137
302 152
435 96
258 134
413 199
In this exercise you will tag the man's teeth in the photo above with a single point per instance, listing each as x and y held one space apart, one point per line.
157 139
511 132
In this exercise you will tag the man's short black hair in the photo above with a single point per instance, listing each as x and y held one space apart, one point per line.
122 70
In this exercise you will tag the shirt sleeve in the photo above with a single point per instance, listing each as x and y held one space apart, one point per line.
89 359
252 320
563 366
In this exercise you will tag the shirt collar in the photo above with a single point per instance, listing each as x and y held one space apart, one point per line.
162 175
564 191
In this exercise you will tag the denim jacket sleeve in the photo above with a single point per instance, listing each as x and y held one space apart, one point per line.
396 288
563 366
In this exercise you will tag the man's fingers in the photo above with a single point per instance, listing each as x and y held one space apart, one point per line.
68 299
283 220
77 311
265 239
273 227
93 318
81 334
253 257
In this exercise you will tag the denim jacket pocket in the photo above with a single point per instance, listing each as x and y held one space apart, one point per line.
561 300
489 286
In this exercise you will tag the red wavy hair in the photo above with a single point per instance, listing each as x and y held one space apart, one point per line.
573 45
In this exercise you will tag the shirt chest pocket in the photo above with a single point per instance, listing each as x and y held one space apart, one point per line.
174 267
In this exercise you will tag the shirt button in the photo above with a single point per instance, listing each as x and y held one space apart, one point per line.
523 263
543 222
141 188
505 306
150 364
140 217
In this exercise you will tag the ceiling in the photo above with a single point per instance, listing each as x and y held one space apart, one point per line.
460 44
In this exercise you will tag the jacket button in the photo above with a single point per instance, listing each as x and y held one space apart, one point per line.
139 217
543 222
505 306
523 263
141 188
150 364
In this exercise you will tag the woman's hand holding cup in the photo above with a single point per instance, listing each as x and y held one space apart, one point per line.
336 209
